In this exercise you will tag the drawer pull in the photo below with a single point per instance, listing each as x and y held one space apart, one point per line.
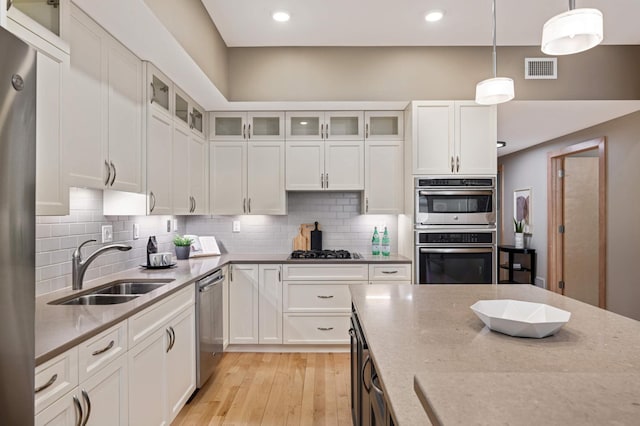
325 328
103 350
51 381
390 272
79 414
325 297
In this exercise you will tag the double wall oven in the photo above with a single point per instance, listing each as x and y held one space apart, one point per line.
455 230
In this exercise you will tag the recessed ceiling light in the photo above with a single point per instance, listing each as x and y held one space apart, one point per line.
281 16
434 15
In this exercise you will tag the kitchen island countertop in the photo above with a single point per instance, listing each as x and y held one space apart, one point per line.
439 363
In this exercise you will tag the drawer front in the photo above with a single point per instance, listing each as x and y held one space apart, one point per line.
100 350
316 328
144 323
390 272
55 378
305 296
331 272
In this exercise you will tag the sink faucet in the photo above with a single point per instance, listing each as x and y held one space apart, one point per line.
79 267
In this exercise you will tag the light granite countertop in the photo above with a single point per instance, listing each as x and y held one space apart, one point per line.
60 327
432 353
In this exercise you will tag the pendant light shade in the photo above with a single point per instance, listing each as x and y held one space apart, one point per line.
573 31
494 91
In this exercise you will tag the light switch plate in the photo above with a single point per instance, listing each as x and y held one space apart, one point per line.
107 233
236 226
136 231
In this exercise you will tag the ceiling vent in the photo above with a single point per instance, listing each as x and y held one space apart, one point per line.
540 68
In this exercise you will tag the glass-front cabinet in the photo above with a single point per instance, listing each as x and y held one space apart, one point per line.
160 89
337 125
263 125
181 110
383 125
47 13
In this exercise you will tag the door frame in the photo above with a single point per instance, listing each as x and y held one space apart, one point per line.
555 196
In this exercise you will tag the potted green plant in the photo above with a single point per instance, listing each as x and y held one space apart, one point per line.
183 246
519 228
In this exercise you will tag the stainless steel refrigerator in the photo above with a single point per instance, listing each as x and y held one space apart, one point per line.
17 229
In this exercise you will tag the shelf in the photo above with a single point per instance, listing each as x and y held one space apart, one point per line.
516 269
519 257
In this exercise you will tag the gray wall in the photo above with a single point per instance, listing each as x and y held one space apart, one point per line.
528 168
405 73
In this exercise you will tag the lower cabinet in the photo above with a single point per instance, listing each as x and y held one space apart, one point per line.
146 384
105 396
63 412
181 362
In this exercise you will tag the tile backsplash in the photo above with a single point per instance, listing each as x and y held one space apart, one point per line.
338 213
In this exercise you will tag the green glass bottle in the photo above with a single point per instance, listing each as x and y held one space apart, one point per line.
375 242
386 244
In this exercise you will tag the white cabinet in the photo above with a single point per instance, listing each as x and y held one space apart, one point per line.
243 303
270 304
105 148
386 273
245 126
105 395
181 362
247 177
52 191
329 125
384 125
64 412
146 380
198 162
159 162
384 177
454 138
55 378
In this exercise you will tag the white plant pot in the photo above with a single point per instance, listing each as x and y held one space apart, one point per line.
519 240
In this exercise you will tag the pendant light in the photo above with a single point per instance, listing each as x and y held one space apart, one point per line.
494 90
573 31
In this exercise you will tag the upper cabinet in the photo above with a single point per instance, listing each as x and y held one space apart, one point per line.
104 111
334 125
383 125
454 138
241 126
52 191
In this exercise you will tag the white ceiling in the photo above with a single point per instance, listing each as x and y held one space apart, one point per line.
244 23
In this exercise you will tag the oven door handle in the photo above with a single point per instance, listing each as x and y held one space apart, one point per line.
453 193
455 250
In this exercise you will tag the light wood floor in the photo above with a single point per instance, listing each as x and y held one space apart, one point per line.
274 389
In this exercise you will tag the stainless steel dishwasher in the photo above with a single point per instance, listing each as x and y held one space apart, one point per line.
208 324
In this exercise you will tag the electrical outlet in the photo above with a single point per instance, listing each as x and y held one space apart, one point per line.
136 231
236 226
107 233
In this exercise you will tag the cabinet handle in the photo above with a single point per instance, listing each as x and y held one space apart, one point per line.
51 381
103 350
191 120
9 4
279 274
244 131
231 273
390 272
321 180
106 164
173 337
170 339
326 131
452 164
115 171
85 395
249 131
79 414
325 328
457 163
325 297
153 201
366 205
195 205
249 205
244 205
321 131
366 130
326 180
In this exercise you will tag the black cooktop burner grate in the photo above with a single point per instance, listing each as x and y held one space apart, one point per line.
320 254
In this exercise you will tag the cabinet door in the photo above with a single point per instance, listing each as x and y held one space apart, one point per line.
305 165
264 126
159 91
270 306
265 178
433 145
124 79
180 181
343 125
159 148
384 125
476 135
228 177
344 165
107 394
63 412
384 175
181 362
196 120
147 394
181 109
198 160
228 126
86 114
243 304
52 191
305 125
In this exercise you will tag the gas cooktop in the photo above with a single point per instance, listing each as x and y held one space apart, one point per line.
323 254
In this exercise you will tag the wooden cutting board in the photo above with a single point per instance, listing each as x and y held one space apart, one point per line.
306 231
300 242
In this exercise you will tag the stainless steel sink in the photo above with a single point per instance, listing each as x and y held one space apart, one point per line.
112 293
97 299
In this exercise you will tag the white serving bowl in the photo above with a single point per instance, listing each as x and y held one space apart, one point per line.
520 319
